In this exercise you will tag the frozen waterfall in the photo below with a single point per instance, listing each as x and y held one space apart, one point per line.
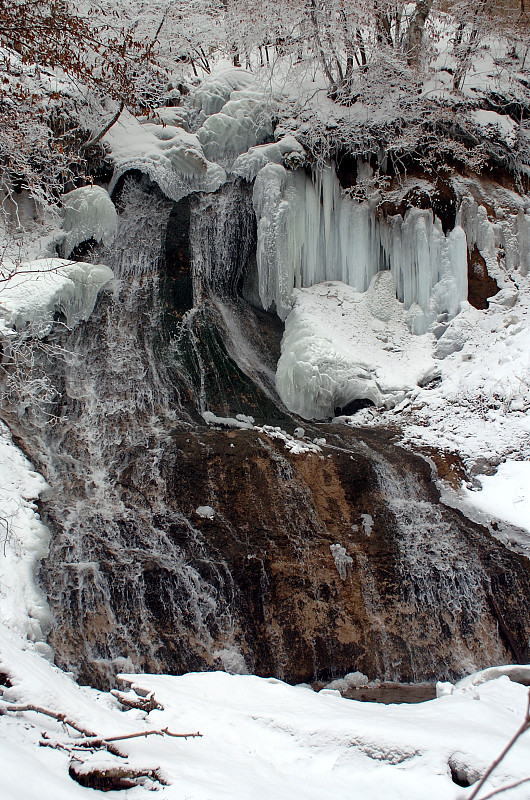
309 232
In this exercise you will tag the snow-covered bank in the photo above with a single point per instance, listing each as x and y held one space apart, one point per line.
260 737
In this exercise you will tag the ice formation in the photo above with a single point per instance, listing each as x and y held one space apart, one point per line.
215 90
169 155
310 232
35 291
342 560
287 151
243 122
342 345
23 543
89 213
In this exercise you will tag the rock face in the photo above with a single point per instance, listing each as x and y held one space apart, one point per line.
311 562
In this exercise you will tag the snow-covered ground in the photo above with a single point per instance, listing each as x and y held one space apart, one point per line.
260 738
478 408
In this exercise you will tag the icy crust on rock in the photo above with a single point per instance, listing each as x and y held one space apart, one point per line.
310 232
503 242
243 122
33 292
23 543
213 92
89 213
342 345
287 151
169 155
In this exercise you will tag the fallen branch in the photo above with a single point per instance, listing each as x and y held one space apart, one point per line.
91 740
53 714
147 703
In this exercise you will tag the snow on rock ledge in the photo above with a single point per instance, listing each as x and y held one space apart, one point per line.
33 292
89 213
342 345
170 156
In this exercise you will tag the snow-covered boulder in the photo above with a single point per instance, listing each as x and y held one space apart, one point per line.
341 345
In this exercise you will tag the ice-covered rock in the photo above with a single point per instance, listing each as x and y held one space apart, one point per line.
35 291
213 92
89 213
341 345
170 156
286 151
243 122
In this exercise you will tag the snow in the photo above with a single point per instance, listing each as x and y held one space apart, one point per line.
259 737
342 345
32 292
89 213
294 444
506 494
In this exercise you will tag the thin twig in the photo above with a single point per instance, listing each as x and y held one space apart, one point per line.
505 788
525 725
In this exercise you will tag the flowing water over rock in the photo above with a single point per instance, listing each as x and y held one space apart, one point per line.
180 546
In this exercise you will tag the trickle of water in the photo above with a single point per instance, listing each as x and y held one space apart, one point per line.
441 580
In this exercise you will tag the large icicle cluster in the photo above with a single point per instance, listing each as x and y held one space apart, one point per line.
309 232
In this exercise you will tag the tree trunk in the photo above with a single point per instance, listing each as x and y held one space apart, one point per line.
416 27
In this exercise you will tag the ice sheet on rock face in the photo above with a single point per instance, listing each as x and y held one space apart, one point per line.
89 213
243 122
213 92
35 290
341 345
